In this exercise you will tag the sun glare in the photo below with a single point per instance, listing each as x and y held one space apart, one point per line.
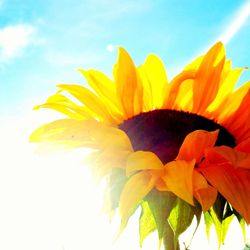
51 201
237 22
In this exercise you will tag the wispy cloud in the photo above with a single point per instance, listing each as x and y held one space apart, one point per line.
74 59
1 3
121 8
86 38
14 39
238 21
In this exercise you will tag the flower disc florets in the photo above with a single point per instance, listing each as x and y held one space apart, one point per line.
163 131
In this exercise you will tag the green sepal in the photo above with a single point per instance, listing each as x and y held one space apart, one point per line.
180 218
208 222
197 213
243 229
228 211
242 224
218 207
115 183
169 238
147 223
221 208
220 227
160 204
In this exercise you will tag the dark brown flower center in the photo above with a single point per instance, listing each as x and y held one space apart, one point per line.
163 131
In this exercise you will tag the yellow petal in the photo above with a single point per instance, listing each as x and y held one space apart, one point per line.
156 74
126 82
195 143
102 85
138 98
195 64
111 138
142 160
90 133
175 85
102 162
207 79
89 99
72 133
184 99
179 179
137 187
147 89
62 104
106 90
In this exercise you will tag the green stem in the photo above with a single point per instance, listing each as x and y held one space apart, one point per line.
169 239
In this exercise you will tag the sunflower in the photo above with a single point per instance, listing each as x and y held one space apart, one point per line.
176 149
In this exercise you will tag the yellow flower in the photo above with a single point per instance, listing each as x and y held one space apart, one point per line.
189 137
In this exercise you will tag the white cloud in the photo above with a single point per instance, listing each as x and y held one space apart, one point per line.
73 59
13 39
112 9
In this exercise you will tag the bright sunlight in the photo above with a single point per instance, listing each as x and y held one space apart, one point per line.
50 200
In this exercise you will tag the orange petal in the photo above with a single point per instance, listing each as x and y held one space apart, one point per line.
203 192
207 79
238 123
206 197
178 178
233 184
228 82
231 103
195 143
224 154
244 146
161 185
142 160
126 81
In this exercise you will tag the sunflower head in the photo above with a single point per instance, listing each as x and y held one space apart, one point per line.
177 149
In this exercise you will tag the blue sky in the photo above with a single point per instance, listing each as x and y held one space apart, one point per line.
43 42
